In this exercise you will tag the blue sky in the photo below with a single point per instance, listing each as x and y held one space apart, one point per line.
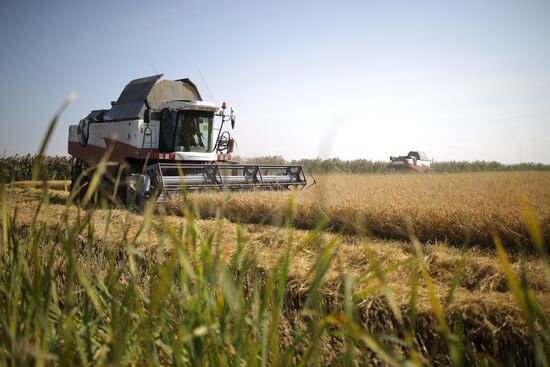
461 80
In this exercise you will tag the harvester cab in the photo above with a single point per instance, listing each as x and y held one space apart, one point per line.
160 135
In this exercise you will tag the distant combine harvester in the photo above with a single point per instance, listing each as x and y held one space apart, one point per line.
414 161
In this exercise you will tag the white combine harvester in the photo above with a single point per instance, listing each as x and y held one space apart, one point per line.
160 134
415 161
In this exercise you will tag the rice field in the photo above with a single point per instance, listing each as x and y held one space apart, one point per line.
460 209
356 270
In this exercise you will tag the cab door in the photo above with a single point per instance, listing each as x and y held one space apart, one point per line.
168 125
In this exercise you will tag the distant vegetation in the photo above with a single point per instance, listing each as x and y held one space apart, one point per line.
487 166
336 165
19 168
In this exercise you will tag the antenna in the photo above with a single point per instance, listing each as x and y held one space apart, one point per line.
206 84
152 68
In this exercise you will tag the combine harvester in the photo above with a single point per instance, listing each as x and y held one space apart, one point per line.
415 161
160 135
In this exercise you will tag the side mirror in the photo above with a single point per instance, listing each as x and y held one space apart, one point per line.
232 118
230 145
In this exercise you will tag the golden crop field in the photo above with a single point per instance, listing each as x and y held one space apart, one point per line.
253 281
456 208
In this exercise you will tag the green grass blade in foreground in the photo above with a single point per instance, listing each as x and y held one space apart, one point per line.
350 323
98 176
319 271
534 229
313 306
528 305
277 310
455 281
5 217
38 165
453 341
283 268
376 267
183 187
408 332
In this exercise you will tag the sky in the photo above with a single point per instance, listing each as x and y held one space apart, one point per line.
460 80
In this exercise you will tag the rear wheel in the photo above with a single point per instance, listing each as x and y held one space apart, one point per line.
80 179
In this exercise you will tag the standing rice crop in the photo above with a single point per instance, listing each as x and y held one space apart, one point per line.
457 208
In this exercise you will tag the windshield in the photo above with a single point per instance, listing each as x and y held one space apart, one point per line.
186 131
193 131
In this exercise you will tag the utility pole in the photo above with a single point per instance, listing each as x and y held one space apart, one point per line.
534 150
520 152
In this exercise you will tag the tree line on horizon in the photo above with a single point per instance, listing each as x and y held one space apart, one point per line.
20 167
337 165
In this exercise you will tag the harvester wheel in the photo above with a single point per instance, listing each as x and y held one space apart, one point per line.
77 170
81 176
